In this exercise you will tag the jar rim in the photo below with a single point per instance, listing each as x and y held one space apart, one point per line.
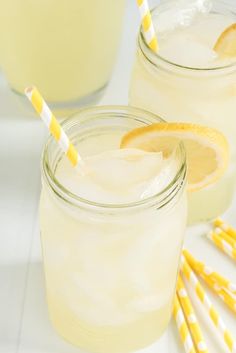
86 114
155 58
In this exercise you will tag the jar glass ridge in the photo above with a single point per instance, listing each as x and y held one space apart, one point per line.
91 114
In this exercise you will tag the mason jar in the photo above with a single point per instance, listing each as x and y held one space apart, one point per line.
205 96
110 268
66 48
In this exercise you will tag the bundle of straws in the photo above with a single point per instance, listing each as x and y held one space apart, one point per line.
187 323
224 237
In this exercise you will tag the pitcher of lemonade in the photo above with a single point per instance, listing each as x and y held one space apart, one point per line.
60 46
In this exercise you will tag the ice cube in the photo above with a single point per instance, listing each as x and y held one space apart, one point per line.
181 13
123 168
118 176
185 49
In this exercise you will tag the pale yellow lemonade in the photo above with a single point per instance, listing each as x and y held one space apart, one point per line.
66 48
111 235
188 81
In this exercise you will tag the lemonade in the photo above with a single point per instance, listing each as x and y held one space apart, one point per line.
111 234
66 48
188 81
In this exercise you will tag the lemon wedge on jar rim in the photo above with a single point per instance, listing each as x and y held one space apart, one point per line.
226 43
207 149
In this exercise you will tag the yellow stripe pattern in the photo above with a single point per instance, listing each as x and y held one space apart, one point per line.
214 315
191 317
226 237
228 298
202 296
225 227
207 272
72 154
183 327
147 25
37 101
54 127
222 244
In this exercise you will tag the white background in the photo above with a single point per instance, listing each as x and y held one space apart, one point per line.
24 323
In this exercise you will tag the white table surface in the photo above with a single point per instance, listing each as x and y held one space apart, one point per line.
24 323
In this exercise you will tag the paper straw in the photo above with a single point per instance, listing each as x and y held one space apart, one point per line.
191 317
227 297
204 299
52 124
183 327
225 227
204 270
225 236
147 25
222 244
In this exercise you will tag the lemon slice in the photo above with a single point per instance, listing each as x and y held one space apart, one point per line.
207 149
226 43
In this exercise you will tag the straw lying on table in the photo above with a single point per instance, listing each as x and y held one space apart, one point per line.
147 25
228 298
183 327
223 287
52 124
188 326
201 269
191 317
222 244
223 236
225 227
205 301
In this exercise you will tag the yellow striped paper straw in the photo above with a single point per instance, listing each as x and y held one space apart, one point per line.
183 327
222 244
147 25
52 124
225 227
204 299
225 236
204 270
191 317
216 282
227 297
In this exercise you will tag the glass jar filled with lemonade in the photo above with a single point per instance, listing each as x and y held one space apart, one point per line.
112 234
66 48
188 80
